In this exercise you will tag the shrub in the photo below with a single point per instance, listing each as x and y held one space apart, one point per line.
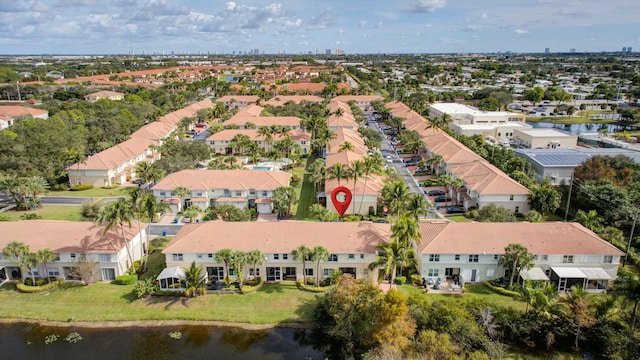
5 218
39 282
308 280
35 289
126 279
111 186
501 290
250 289
81 187
313 288
351 218
295 179
416 279
59 187
169 293
145 287
30 216
400 280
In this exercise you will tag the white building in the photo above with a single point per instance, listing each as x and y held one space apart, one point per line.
467 120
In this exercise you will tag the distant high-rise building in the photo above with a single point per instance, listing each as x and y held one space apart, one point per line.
572 50
327 51
624 49
547 50
629 49
339 52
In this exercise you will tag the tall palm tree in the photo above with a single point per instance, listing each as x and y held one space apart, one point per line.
150 207
30 262
435 161
357 170
392 255
44 257
34 186
318 254
15 251
135 196
371 165
142 170
346 146
117 214
395 195
338 171
301 253
579 311
239 262
225 256
416 206
181 192
627 287
456 184
255 258
317 170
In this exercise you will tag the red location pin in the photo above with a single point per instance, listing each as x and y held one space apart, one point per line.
341 206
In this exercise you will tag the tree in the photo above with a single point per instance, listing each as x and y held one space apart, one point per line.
44 257
29 262
181 192
357 170
346 146
579 311
534 95
320 213
494 213
318 254
302 253
195 280
516 258
254 258
16 251
589 219
151 207
225 256
435 162
192 212
372 165
395 195
338 171
533 217
392 255
238 263
627 287
416 206
84 269
116 214
283 199
545 198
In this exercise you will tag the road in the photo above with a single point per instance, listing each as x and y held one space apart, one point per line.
387 150
165 229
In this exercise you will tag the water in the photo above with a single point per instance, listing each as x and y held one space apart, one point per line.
28 341
575 129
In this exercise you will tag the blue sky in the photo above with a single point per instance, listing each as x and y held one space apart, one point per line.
299 26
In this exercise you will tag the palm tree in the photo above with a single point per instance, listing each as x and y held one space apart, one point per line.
116 214
44 257
238 263
30 262
150 207
456 184
35 185
317 170
338 171
395 195
579 311
135 196
318 254
371 165
225 256
591 220
357 170
142 170
181 192
195 279
301 253
392 255
416 206
628 288
446 180
15 251
192 212
255 257
265 132
346 146
435 161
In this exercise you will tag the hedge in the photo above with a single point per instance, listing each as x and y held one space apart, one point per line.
250 289
501 290
400 280
314 289
35 289
126 279
81 187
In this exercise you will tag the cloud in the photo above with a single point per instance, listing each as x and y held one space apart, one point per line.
424 6
521 31
321 21
362 23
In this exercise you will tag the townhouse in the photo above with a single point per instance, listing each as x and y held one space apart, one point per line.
104 94
565 253
351 247
250 118
221 142
9 114
237 102
70 240
364 102
209 188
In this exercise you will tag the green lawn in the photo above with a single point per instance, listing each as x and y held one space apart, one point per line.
307 194
458 218
49 212
94 192
472 291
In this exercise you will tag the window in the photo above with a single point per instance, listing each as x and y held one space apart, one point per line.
352 256
333 257
511 197
545 257
327 272
54 271
199 256
57 257
608 259
489 273
252 191
285 256
72 255
474 258
210 256
162 193
457 257
104 257
496 257
276 256
361 256
34 273
257 272
177 257
108 274
238 193
434 257
232 271
309 272
198 194
227 192
264 193
433 272
567 259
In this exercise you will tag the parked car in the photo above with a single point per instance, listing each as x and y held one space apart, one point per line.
389 158
456 210
441 199
435 192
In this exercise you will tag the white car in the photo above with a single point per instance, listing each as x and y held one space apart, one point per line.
389 158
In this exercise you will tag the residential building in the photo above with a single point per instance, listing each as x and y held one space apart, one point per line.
280 100
250 118
70 240
208 188
238 102
9 114
351 245
565 253
221 142
104 94
364 102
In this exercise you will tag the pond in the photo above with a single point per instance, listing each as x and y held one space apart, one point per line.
32 341
575 129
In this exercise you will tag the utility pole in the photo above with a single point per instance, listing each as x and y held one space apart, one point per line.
566 210
633 228
18 87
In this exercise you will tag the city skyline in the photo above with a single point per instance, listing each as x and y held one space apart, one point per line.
288 26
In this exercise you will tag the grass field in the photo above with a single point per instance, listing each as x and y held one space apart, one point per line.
49 212
307 194
472 291
458 218
94 192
